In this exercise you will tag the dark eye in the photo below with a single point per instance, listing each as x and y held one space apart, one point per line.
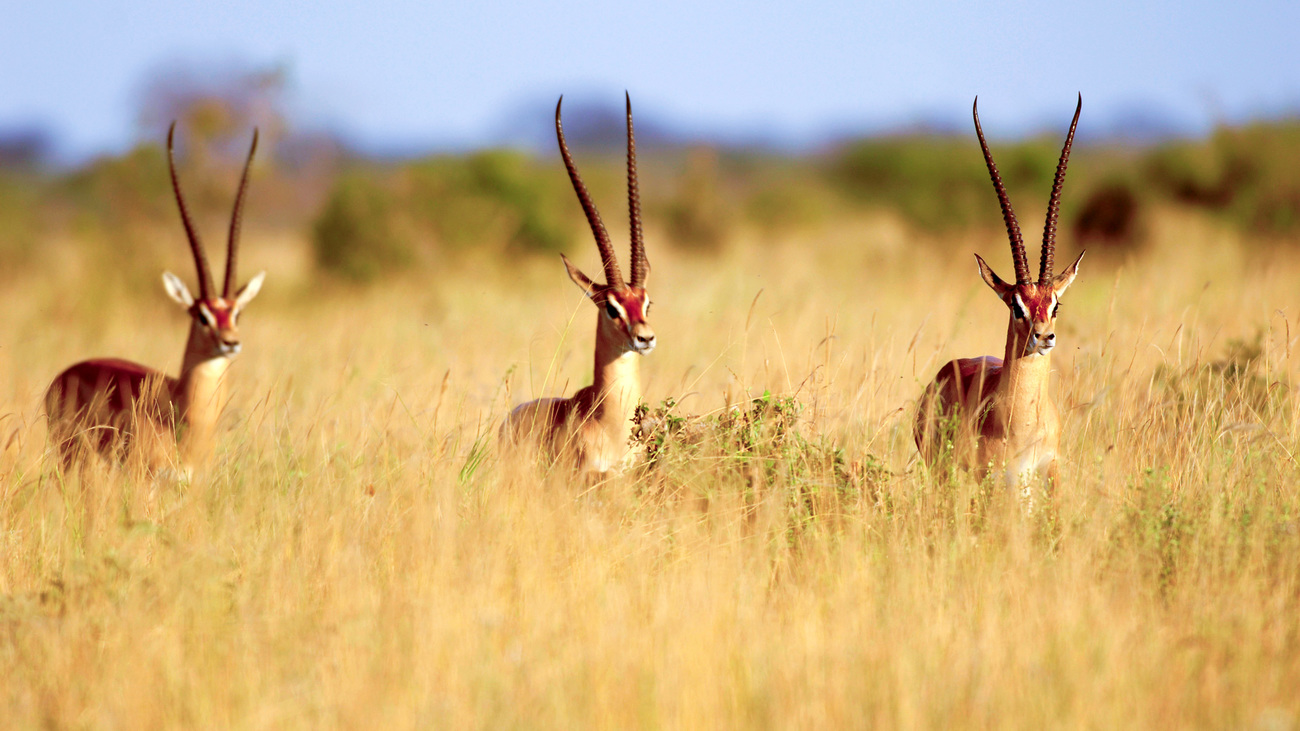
647 308
1056 309
1017 310
206 317
611 311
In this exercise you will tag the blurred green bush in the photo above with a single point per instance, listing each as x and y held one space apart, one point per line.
376 222
368 219
21 223
116 197
357 235
940 183
698 215
493 196
1248 174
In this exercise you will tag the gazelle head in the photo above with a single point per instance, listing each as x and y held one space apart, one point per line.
216 318
1033 305
624 305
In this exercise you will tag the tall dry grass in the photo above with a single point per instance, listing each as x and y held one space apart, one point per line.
358 557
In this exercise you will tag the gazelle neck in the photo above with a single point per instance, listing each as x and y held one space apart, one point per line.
616 380
200 393
1023 388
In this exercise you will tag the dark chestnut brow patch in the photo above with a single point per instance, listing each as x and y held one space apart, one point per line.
1037 302
631 302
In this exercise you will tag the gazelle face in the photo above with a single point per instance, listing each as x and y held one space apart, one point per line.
216 319
1033 307
624 305
623 313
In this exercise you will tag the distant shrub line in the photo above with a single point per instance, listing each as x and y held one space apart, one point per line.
366 219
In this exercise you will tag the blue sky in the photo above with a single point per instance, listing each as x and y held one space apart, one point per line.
434 74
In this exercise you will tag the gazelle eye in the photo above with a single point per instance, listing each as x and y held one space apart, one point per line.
611 311
1056 309
1016 310
206 317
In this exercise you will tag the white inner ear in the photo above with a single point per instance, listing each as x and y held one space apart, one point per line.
582 280
177 290
249 291
1066 278
1065 284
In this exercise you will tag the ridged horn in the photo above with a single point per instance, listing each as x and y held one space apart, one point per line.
1008 215
640 266
613 277
1054 203
196 246
232 246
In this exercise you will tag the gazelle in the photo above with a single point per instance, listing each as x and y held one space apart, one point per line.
1006 405
113 406
592 427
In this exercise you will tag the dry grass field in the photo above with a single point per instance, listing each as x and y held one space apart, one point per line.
358 556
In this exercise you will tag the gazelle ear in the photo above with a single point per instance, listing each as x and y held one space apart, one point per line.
249 291
1066 278
177 290
993 280
582 280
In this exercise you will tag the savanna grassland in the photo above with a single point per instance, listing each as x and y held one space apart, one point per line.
358 555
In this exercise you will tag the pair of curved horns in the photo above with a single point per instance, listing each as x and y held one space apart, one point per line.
196 246
640 267
1045 272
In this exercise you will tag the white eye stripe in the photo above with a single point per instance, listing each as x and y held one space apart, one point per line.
1018 307
614 309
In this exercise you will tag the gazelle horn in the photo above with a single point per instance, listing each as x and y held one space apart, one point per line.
1054 203
232 248
1008 215
613 277
196 246
640 266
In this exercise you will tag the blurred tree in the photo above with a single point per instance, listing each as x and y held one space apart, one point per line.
214 104
1109 217
215 107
